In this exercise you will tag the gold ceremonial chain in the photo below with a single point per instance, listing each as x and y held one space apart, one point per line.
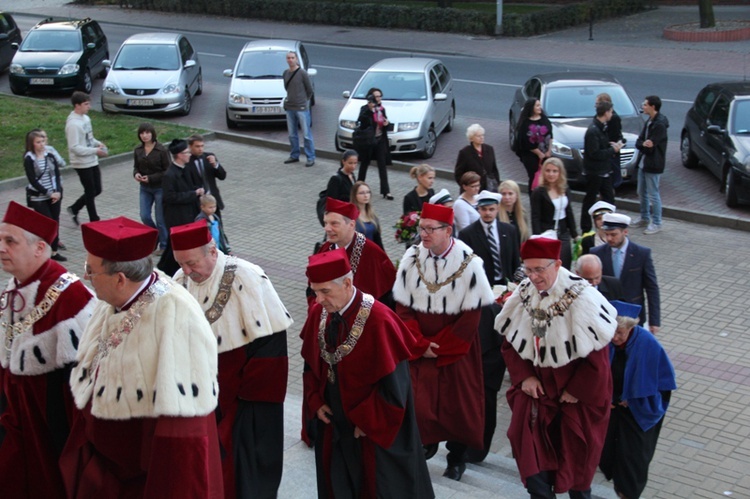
332 358
433 287
225 291
359 244
540 318
12 331
129 321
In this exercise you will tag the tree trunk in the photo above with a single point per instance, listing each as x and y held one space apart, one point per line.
706 10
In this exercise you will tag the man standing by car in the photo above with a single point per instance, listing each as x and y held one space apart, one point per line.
84 151
597 166
652 148
299 91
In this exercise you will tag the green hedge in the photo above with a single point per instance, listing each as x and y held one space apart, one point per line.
398 17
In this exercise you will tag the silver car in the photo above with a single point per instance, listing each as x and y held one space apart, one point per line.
256 92
153 73
418 99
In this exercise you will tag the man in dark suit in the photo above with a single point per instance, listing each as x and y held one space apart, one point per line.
632 265
501 248
207 168
590 268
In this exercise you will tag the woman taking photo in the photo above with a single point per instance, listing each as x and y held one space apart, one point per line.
374 122
368 222
340 185
533 137
511 209
465 208
150 162
44 191
478 157
414 199
551 207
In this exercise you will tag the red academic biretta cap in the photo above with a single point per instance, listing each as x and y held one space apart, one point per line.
31 221
437 212
119 239
541 247
328 265
342 208
189 236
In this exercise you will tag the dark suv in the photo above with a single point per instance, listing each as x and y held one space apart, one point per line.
717 135
9 34
59 55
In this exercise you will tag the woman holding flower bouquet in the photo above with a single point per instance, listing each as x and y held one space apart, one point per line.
368 222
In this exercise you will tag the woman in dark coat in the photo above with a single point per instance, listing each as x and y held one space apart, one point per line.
533 137
478 157
150 163
340 185
372 118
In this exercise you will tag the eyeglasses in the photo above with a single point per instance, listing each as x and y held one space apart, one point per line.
88 274
536 270
431 230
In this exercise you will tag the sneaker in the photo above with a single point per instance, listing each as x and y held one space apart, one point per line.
59 258
310 162
74 215
652 229
641 223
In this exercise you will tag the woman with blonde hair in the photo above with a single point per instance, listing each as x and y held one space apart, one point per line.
551 208
421 194
511 209
368 222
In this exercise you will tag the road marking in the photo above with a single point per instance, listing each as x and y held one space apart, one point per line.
339 69
677 101
211 55
488 83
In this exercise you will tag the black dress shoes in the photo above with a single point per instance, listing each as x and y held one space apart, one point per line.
430 450
59 258
291 160
455 472
388 196
74 215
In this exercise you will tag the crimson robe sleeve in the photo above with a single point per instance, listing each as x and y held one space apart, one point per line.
518 368
409 319
592 382
455 339
264 376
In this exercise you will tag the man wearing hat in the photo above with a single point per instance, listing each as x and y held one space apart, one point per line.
43 312
249 323
182 190
596 236
356 382
145 380
632 264
374 272
439 291
557 328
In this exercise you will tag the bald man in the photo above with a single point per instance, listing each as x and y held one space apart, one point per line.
590 268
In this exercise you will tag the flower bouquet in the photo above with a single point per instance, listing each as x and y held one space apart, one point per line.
407 228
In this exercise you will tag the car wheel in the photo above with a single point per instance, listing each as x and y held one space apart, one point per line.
689 159
730 188
451 118
188 104
430 144
16 90
200 83
103 72
230 122
87 83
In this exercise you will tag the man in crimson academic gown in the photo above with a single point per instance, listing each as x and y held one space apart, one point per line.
356 378
557 328
43 312
440 290
374 272
145 382
249 322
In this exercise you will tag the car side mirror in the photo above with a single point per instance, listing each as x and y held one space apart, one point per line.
440 97
346 94
14 45
107 63
90 46
715 130
189 64
312 72
228 73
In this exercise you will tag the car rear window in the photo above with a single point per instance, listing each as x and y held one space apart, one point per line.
395 86
52 41
578 101
137 57
266 64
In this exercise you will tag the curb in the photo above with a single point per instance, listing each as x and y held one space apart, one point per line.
676 34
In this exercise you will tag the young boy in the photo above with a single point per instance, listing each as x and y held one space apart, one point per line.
208 213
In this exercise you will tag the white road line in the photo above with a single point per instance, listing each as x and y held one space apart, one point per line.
209 54
339 69
677 101
511 85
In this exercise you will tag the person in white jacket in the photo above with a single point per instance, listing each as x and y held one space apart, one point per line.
84 152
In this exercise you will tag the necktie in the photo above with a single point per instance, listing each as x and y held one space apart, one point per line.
333 330
617 262
495 252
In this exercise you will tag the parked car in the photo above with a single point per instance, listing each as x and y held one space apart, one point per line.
9 35
568 101
256 92
59 55
418 99
153 73
717 135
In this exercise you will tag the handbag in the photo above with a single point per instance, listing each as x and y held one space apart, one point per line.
363 138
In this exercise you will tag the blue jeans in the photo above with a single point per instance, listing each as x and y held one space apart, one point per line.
151 196
295 120
648 191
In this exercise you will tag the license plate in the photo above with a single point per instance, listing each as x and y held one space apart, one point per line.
140 102
266 110
42 81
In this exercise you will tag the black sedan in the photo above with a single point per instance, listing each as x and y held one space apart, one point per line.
717 135
9 34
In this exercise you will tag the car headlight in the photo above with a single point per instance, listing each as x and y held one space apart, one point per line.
239 99
16 69
348 124
561 149
69 69
110 88
172 88
410 125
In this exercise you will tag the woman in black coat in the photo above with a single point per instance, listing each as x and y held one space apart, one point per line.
551 207
340 184
533 137
478 157
374 123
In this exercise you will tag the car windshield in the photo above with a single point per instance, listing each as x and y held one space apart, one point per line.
137 57
578 101
741 121
266 64
52 41
395 86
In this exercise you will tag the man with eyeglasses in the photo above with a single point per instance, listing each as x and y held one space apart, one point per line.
43 312
557 328
439 291
249 322
145 382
